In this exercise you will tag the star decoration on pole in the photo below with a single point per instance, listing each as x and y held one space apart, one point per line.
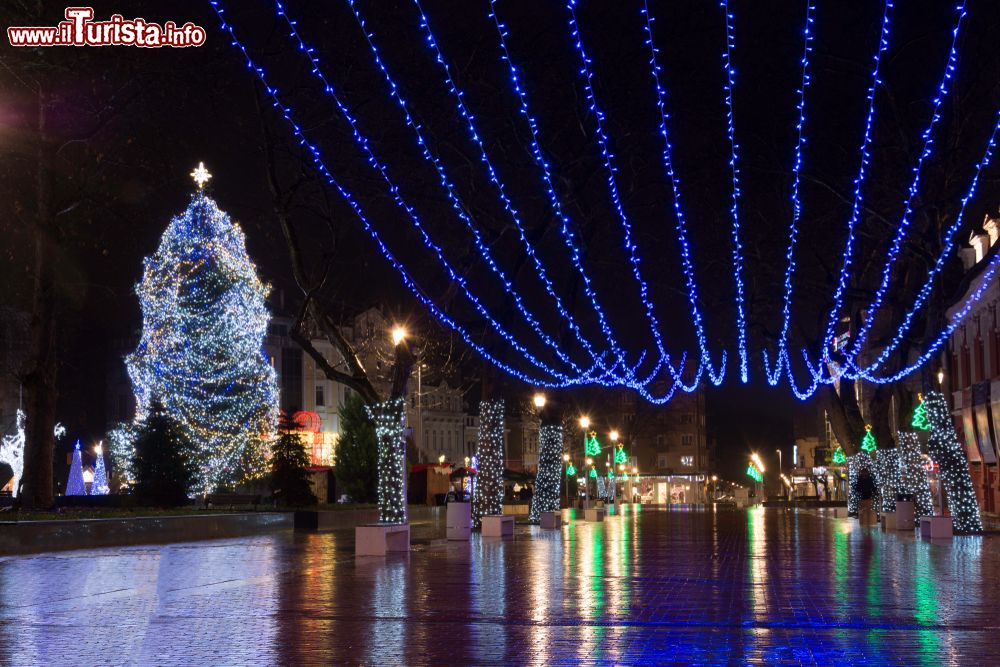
201 175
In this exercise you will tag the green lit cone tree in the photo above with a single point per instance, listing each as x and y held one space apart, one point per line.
487 498
546 495
945 450
290 483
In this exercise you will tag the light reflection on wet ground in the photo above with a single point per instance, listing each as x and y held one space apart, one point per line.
650 587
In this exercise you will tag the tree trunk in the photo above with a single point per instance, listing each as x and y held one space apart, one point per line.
40 375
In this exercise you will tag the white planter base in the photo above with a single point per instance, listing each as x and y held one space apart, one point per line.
498 525
904 515
593 514
935 527
377 539
459 521
550 519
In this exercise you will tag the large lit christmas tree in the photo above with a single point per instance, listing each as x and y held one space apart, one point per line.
204 322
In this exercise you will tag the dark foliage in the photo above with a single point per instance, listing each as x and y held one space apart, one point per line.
290 481
163 461
356 466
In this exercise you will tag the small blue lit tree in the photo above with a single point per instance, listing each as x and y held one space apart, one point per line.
74 484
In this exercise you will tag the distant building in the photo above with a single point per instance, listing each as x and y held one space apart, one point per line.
435 413
521 438
970 367
666 445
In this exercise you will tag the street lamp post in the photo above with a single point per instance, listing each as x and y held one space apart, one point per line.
780 468
566 477
584 425
586 480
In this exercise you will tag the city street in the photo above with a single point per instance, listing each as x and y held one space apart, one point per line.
763 586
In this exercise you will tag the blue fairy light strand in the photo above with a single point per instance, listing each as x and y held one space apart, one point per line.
943 256
350 200
773 375
856 206
716 376
728 86
928 138
394 190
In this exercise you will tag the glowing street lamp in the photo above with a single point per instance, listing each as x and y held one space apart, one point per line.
441 459
585 422
539 401
613 436
398 334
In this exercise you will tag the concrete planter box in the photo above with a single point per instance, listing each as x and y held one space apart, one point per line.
38 536
459 526
377 539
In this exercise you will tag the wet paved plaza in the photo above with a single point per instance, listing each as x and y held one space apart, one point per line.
651 587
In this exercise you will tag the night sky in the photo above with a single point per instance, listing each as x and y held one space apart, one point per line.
158 112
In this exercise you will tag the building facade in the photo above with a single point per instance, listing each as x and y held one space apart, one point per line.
970 368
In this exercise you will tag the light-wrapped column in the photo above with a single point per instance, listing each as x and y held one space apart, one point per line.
887 475
546 496
488 496
388 418
855 464
945 449
912 478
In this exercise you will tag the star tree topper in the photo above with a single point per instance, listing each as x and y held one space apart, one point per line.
201 175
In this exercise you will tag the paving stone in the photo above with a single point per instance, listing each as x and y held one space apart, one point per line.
655 587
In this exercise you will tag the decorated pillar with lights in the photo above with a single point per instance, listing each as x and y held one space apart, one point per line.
945 450
388 418
887 477
912 477
488 496
546 496
855 464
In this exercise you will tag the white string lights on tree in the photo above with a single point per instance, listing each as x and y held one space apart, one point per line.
12 449
488 497
200 354
389 417
855 464
912 476
946 451
100 486
547 480
580 357
887 474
